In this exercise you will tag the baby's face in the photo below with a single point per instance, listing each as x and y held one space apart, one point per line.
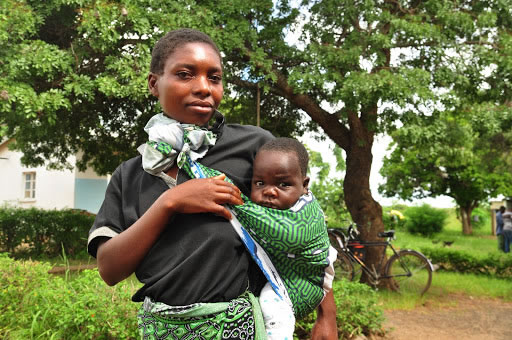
277 181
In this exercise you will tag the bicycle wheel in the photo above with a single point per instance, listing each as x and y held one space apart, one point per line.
343 267
410 272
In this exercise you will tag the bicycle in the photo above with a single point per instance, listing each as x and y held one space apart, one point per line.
410 270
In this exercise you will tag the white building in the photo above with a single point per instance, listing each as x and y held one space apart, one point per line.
48 189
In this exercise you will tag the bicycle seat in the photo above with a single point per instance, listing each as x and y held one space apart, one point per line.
385 234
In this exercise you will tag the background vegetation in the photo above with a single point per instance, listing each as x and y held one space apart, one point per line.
73 77
79 305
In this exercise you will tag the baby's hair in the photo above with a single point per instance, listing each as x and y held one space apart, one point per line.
284 144
168 44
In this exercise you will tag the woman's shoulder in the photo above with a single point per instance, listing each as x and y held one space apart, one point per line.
129 166
239 133
248 128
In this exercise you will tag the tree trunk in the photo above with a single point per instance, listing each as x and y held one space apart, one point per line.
356 138
465 216
365 211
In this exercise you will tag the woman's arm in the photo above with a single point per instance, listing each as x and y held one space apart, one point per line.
119 256
325 327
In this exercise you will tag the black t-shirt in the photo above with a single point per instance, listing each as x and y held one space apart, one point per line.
198 257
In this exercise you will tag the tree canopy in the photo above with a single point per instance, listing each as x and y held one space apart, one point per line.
74 71
460 155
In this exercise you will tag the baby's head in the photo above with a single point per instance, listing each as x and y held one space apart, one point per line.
279 174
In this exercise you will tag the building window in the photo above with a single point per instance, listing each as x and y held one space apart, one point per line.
29 185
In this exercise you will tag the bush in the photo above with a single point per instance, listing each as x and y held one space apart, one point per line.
37 232
480 217
357 312
425 220
499 266
35 304
393 219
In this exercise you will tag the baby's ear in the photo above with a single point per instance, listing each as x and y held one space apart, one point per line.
305 184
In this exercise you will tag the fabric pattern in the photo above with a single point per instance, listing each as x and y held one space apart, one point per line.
170 141
225 320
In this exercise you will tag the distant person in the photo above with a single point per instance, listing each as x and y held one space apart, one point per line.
499 228
507 227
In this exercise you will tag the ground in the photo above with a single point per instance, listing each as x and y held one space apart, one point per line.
463 317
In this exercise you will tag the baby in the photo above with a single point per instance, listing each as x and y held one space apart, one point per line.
280 182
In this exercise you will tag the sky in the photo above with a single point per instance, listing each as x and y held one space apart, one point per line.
379 150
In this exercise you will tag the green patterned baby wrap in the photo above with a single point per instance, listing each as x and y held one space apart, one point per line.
296 241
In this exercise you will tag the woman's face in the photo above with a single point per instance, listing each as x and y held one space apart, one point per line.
190 88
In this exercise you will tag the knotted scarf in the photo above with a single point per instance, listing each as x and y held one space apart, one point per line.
170 141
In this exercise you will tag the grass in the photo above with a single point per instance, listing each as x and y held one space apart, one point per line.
447 283
480 243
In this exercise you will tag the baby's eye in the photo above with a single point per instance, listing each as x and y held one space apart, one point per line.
184 75
284 185
258 183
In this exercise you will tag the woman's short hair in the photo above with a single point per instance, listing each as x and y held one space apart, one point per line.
168 44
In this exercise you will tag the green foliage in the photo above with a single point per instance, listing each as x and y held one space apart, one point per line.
357 312
73 74
453 154
37 232
328 188
425 220
393 218
481 217
279 117
497 265
35 304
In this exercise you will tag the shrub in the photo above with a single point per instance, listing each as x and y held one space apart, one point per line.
35 304
499 266
480 217
425 220
37 232
393 219
357 312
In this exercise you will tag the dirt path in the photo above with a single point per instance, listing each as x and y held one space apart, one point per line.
463 317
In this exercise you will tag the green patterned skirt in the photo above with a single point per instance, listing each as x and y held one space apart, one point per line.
238 319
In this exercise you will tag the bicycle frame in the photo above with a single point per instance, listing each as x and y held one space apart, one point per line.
375 275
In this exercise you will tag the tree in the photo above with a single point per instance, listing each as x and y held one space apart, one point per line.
73 71
328 187
276 115
458 155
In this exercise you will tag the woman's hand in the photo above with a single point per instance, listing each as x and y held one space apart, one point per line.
325 326
201 196
119 256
